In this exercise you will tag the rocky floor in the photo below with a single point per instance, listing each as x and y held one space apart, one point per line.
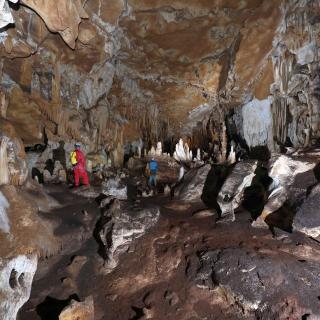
186 267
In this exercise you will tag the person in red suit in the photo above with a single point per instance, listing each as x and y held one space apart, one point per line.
78 161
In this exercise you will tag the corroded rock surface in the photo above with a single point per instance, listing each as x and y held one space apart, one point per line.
15 283
231 193
191 188
119 226
251 278
307 219
78 310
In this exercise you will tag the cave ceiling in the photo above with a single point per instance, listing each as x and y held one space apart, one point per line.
141 64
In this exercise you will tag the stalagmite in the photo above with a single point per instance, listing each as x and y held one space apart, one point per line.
152 152
4 171
4 220
167 190
3 105
232 156
198 154
307 140
182 152
159 149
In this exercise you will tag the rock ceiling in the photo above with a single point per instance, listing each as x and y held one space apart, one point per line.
114 71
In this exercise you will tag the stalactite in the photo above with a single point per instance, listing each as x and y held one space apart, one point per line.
58 115
4 170
280 119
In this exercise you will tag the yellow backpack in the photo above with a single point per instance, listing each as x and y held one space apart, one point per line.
73 158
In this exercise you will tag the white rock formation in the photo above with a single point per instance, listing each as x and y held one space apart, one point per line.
257 123
113 187
159 149
16 277
198 154
4 220
139 151
152 152
167 190
5 14
232 156
181 173
182 152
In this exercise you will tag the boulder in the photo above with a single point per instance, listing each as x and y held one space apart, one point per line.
119 226
307 219
16 275
264 283
78 310
231 193
191 186
292 176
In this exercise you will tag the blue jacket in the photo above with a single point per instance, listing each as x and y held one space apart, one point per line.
153 166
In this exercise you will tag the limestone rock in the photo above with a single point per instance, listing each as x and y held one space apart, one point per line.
13 167
16 275
284 170
116 188
231 193
61 16
252 279
119 227
5 14
192 186
307 219
78 310
182 152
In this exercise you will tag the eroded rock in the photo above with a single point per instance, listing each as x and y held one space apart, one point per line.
252 279
231 193
307 219
78 310
16 275
119 226
191 188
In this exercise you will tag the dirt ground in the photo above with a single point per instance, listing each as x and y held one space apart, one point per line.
154 279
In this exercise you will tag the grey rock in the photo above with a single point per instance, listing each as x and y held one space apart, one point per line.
119 226
230 195
256 281
307 219
192 186
114 187
16 275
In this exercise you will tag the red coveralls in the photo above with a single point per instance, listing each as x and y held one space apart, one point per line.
80 169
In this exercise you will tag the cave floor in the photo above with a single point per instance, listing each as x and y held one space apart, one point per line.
153 279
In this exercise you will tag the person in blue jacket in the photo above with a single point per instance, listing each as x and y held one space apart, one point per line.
153 169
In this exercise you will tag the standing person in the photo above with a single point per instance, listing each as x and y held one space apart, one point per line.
78 162
153 169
